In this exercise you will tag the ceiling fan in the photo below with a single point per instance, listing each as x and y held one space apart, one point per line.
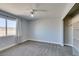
36 10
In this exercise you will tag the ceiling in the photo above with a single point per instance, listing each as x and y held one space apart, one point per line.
53 10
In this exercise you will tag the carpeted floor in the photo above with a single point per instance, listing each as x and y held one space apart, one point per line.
33 48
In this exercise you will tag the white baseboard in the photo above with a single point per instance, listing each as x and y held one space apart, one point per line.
69 45
1 49
75 51
9 46
61 44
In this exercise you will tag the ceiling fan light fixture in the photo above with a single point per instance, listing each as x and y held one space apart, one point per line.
32 15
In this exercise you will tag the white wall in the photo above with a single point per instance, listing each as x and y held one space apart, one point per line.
47 30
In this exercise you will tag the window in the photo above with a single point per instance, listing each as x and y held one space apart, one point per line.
11 27
7 27
2 27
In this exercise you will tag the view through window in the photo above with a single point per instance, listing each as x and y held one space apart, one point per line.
7 27
11 27
2 27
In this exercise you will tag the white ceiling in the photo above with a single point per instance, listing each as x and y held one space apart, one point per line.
54 10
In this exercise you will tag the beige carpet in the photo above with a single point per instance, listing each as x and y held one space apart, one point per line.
32 48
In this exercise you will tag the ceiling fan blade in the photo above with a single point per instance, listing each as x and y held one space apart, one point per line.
39 10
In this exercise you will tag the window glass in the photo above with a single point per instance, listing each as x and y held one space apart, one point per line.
11 27
2 27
